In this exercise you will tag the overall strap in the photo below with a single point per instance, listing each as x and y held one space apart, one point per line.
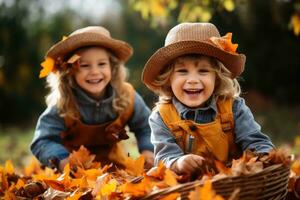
227 122
226 115
123 117
170 117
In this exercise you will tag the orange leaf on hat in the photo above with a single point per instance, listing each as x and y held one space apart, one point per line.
225 43
48 66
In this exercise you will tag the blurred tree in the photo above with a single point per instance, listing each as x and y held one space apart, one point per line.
24 40
262 29
159 12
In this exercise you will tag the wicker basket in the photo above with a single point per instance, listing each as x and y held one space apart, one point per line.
269 184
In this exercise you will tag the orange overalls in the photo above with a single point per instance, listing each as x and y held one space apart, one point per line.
103 139
215 138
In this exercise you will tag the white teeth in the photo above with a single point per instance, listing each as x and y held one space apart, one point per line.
94 81
193 90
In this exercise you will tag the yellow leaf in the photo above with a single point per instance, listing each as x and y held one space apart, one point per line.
205 192
20 184
157 172
33 167
47 173
82 158
295 21
9 168
92 174
172 196
48 66
170 178
229 5
108 188
157 9
139 189
57 185
74 196
9 195
296 167
135 167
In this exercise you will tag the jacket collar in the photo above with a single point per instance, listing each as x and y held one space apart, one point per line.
83 98
183 110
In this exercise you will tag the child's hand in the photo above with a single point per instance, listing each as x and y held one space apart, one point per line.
149 158
188 164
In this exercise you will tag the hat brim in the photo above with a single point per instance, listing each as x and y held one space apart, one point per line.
162 57
120 48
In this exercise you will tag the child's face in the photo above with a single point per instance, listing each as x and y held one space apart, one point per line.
94 71
193 81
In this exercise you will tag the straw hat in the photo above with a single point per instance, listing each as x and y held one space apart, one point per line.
192 38
90 36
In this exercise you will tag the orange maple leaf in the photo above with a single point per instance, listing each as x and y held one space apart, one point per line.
55 184
47 173
9 167
170 178
33 167
109 188
9 195
20 184
296 167
225 43
135 167
139 189
172 196
222 168
48 66
205 192
158 171
74 196
81 158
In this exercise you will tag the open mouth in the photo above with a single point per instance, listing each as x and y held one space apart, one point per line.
94 81
192 91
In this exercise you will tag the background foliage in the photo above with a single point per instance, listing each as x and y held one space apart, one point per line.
267 33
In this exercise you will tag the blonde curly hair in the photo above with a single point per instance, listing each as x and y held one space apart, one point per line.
62 82
225 86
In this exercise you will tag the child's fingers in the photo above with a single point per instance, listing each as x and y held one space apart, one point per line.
199 161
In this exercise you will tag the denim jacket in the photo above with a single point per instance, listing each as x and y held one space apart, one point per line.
47 145
247 131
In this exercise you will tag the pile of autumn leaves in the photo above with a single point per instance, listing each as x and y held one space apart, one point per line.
84 179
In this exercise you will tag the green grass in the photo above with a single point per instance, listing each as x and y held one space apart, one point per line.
14 146
282 124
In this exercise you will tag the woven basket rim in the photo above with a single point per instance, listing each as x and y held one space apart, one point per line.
186 187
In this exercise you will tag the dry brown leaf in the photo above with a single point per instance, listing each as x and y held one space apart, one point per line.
81 158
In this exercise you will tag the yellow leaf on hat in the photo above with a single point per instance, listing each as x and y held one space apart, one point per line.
225 43
48 66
